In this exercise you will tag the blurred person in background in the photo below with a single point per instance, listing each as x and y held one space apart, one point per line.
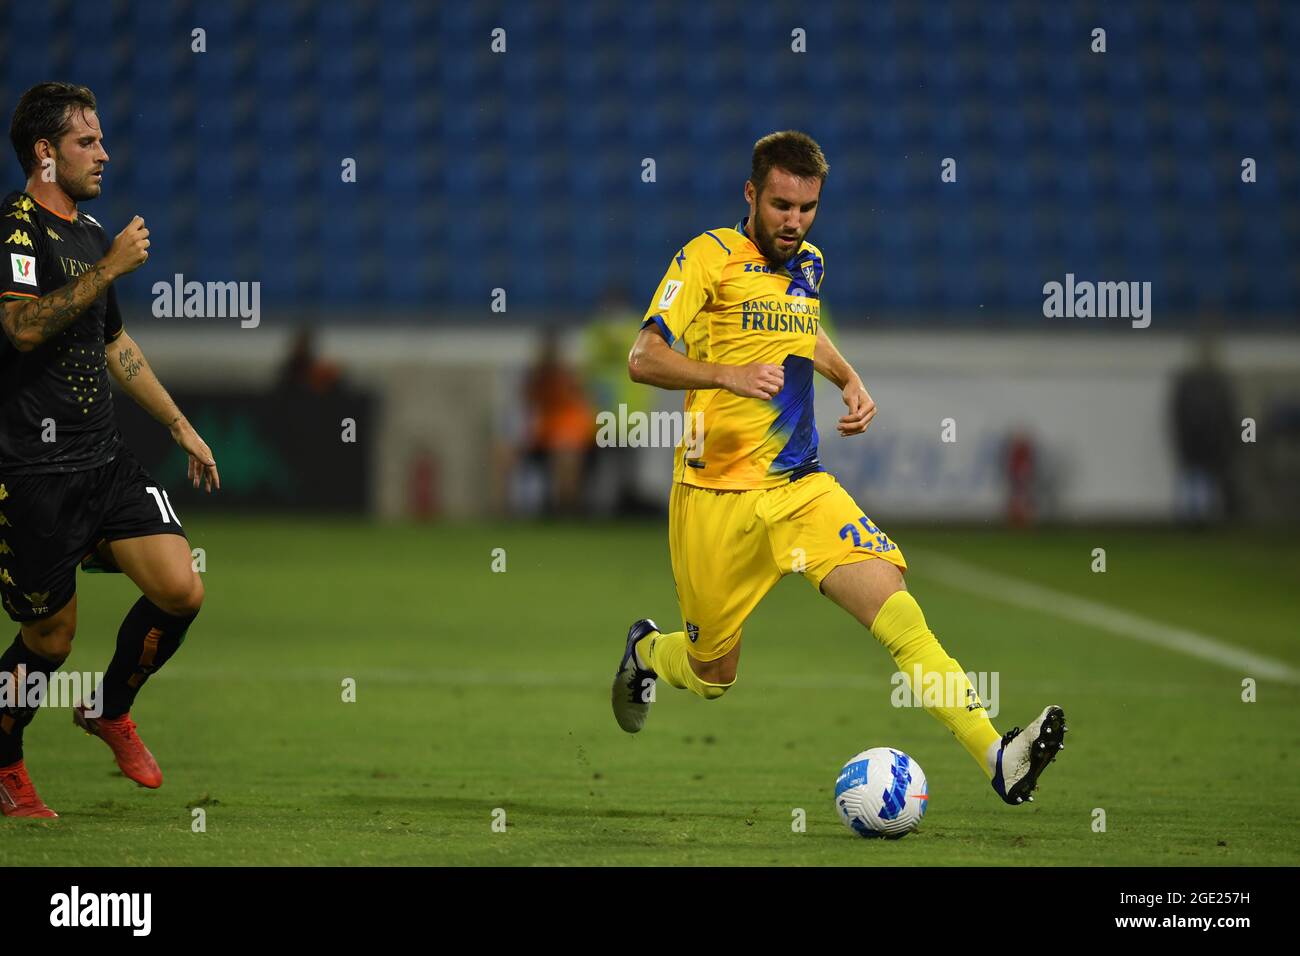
615 479
1206 434
561 428
303 369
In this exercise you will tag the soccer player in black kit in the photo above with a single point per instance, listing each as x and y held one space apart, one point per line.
71 493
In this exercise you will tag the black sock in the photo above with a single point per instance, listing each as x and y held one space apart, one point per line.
146 640
13 719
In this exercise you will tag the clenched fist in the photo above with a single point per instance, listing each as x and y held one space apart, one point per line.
758 380
130 249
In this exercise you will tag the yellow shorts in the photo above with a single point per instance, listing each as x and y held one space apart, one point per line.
729 548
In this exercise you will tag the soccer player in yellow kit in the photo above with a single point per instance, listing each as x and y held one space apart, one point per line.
750 500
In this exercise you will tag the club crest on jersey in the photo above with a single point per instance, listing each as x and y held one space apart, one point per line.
692 632
804 272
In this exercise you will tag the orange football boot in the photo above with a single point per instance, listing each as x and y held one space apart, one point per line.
18 798
119 733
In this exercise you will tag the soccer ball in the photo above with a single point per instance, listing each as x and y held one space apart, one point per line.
881 793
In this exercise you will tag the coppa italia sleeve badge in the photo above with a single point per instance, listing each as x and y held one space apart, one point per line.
24 268
670 292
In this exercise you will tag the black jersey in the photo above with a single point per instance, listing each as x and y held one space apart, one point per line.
64 380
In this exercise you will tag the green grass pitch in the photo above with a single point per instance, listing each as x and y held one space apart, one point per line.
478 690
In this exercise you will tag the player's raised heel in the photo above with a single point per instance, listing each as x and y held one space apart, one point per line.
18 798
1024 755
634 686
133 757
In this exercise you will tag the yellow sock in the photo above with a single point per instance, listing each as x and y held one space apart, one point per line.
666 655
901 627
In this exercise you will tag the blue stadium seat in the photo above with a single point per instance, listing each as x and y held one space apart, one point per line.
1067 160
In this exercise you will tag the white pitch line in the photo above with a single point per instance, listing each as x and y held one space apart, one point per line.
973 579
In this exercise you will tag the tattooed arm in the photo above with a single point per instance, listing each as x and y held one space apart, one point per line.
127 366
131 371
32 322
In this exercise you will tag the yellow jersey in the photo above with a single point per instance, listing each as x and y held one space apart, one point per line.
730 306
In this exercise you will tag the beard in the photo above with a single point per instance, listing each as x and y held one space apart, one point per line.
80 189
766 242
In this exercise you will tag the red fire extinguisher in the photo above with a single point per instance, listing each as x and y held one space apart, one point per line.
1021 472
423 497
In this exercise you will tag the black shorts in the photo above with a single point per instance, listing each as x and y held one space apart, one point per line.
49 523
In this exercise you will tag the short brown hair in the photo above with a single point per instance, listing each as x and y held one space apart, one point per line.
795 152
45 112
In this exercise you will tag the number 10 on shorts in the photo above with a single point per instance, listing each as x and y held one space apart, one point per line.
164 505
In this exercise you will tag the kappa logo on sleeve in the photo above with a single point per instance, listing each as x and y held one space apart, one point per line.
20 238
24 268
671 288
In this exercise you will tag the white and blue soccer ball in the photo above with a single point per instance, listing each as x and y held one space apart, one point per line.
881 793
